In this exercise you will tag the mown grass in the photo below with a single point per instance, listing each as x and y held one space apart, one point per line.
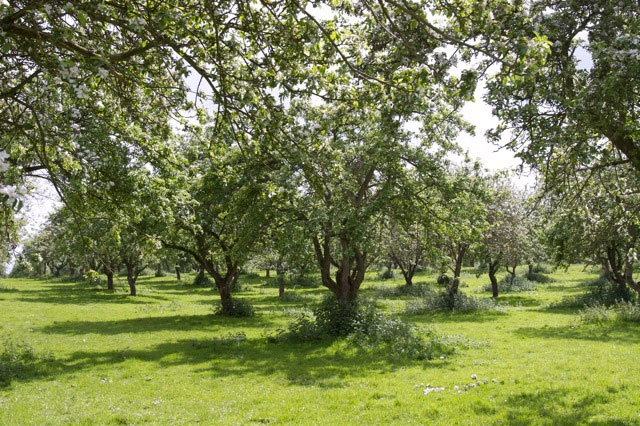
164 358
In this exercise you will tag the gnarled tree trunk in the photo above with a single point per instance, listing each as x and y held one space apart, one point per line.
350 269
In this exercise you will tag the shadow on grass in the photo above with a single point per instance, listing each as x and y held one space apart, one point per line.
324 364
74 293
154 324
555 407
517 300
453 317
303 364
615 331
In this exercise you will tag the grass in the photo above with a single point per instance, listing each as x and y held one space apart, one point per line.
164 358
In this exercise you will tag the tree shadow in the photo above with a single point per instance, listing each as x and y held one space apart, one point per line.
154 324
614 331
74 293
517 300
556 407
454 317
303 364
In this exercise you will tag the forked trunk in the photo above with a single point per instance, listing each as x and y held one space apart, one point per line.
223 283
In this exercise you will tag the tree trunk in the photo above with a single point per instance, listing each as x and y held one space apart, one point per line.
530 269
493 268
268 272
131 279
178 273
109 280
453 289
281 283
408 273
223 282
224 288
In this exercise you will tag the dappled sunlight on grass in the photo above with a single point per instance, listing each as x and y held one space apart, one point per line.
163 357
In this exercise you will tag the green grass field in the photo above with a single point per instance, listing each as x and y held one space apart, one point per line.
164 358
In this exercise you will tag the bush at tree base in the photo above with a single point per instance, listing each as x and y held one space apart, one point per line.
202 280
445 301
602 291
362 324
236 308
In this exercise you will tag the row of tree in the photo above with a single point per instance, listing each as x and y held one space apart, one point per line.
222 128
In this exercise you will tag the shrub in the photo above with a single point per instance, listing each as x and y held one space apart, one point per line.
237 308
541 269
627 311
417 290
291 296
515 284
602 291
608 292
19 360
237 286
598 313
202 280
387 274
539 277
443 279
360 323
160 273
595 314
301 281
146 271
92 278
445 301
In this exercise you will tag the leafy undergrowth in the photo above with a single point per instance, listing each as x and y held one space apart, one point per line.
81 355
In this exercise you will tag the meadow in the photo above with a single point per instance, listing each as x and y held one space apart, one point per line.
93 357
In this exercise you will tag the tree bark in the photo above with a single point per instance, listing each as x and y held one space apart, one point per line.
131 280
178 273
459 257
223 282
530 269
493 268
268 272
281 283
109 274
